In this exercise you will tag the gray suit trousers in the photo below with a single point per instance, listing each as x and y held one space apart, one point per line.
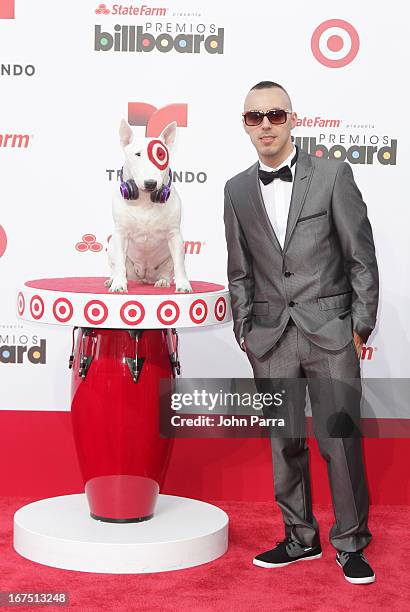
336 418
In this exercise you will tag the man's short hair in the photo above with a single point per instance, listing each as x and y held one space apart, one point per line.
269 85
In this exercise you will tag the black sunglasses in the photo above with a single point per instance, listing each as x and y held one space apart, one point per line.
275 116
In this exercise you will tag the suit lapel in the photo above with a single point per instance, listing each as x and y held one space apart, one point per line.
256 198
303 176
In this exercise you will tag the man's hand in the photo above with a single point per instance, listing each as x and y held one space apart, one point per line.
358 342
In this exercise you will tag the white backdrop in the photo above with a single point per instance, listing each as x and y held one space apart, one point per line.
54 182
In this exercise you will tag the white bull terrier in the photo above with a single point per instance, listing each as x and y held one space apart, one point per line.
146 244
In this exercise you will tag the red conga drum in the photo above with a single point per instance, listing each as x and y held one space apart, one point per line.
115 416
126 343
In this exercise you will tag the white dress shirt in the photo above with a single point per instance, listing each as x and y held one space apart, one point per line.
276 196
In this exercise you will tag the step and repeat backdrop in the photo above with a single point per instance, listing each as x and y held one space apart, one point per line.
69 72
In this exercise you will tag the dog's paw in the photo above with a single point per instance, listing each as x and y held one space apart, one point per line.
162 282
118 285
183 286
108 282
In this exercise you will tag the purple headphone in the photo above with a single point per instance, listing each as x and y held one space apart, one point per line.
130 191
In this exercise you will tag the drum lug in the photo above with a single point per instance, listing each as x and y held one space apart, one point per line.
85 360
172 337
71 359
85 363
135 365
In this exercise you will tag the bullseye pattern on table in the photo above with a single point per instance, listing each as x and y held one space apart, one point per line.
85 302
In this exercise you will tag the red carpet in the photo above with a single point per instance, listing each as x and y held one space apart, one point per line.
232 582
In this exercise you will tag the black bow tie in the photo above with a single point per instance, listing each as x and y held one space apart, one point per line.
284 173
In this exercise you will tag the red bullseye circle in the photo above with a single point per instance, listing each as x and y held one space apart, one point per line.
132 312
21 303
36 307
96 312
168 312
335 43
62 310
158 154
220 309
198 311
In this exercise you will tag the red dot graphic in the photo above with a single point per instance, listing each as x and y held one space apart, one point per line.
167 312
95 312
335 43
132 312
145 42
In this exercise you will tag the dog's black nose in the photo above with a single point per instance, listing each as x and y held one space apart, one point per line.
150 185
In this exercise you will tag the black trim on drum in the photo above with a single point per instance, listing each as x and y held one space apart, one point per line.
113 520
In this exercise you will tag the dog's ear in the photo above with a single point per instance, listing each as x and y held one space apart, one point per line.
125 133
169 133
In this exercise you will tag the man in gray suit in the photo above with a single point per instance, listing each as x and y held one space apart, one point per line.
303 281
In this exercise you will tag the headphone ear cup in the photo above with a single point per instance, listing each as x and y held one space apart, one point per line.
155 195
133 189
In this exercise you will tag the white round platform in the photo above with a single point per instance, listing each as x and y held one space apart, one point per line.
59 532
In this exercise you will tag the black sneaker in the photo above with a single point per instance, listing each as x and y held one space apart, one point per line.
286 552
355 567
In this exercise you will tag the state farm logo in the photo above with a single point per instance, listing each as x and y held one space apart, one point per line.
14 141
88 243
102 10
368 352
6 9
142 10
335 43
318 122
3 241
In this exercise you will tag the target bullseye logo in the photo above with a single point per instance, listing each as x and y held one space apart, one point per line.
96 312
132 312
62 310
168 312
198 311
220 309
21 303
36 307
335 43
158 154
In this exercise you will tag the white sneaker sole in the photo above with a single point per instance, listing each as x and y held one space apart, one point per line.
271 565
367 580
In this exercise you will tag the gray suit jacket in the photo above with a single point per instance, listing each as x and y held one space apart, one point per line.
326 276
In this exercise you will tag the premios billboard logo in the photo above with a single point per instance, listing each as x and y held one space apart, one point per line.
18 347
158 35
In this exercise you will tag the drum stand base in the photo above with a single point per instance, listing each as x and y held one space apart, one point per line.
59 532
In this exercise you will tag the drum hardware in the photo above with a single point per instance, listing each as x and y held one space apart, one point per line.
135 365
172 343
70 361
85 360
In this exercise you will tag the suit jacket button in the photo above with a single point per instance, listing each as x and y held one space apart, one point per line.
292 303
287 274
